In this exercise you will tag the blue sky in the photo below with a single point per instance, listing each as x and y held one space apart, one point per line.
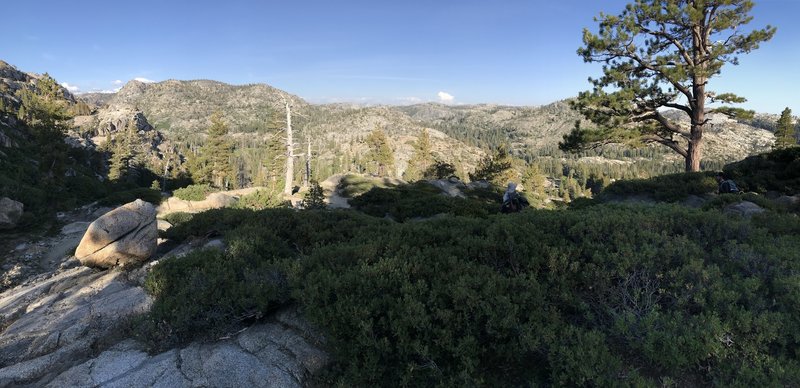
514 52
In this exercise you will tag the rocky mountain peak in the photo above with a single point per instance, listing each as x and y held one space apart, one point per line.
9 72
129 90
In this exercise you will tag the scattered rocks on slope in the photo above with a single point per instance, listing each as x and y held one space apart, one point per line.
10 212
744 209
125 235
788 201
449 188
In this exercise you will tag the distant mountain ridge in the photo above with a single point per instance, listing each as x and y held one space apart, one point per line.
461 134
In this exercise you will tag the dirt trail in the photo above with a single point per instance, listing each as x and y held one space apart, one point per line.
335 201
26 255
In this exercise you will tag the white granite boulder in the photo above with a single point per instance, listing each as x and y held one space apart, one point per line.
125 235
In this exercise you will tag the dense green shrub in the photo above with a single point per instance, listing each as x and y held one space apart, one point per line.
42 194
224 290
193 192
667 188
125 196
178 218
778 170
262 199
724 200
605 295
419 200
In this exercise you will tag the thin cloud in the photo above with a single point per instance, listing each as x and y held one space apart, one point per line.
101 91
71 88
145 80
445 97
118 82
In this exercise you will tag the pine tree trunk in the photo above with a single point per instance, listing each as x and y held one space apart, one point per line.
695 153
287 186
695 150
307 177
698 104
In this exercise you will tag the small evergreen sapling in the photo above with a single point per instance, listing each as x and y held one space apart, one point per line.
315 197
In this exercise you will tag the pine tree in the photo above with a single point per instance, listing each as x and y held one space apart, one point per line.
315 197
44 112
125 158
785 135
439 170
212 163
421 160
380 154
115 164
220 150
533 179
662 54
275 162
497 169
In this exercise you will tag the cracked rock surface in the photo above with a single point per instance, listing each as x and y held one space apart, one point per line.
62 329
125 235
274 354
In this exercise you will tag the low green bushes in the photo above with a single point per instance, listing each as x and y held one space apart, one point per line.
778 170
666 188
217 292
722 200
177 218
125 196
262 199
193 192
421 200
605 295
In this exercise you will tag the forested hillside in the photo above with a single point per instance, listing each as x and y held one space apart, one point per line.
42 164
336 134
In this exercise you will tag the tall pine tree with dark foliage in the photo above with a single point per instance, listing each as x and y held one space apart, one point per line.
785 135
661 54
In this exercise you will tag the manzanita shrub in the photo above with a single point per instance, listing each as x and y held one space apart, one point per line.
605 295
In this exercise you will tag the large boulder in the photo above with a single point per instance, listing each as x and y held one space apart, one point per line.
212 201
125 235
788 201
219 200
448 187
744 209
10 212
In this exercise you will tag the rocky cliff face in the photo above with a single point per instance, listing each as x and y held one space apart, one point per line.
12 79
111 121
